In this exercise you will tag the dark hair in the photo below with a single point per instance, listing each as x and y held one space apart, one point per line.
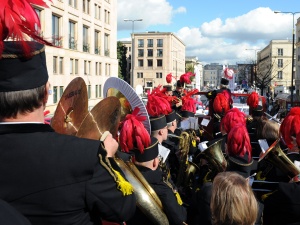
22 102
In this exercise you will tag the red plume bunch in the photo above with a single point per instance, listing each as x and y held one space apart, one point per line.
232 118
238 142
189 103
133 134
291 127
186 78
169 78
221 103
253 100
157 105
18 19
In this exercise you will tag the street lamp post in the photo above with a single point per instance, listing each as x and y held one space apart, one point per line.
132 50
255 62
293 54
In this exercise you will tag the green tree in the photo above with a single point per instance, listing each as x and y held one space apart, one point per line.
122 61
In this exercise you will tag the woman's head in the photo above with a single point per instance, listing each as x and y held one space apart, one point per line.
232 201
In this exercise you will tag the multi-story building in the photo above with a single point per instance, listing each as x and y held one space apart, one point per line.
156 54
297 58
212 74
274 63
192 63
86 35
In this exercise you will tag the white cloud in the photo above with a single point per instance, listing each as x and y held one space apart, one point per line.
153 12
227 41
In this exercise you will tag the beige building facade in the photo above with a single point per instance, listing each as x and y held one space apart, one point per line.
275 63
85 32
297 58
156 54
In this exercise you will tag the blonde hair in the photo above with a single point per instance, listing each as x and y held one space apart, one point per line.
232 201
270 130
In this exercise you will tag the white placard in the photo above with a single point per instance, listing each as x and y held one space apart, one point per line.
163 152
263 145
205 122
202 146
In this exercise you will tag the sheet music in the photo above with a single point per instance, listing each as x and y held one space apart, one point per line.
163 152
263 145
202 146
205 122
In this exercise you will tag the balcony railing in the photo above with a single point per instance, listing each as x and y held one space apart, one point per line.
85 47
106 52
97 50
72 43
56 40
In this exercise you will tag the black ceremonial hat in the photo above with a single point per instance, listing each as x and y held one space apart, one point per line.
19 72
258 111
149 153
224 81
168 87
158 122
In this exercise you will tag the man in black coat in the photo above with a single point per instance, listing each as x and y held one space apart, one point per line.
49 177
148 164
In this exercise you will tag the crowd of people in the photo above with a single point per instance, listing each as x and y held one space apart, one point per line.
220 176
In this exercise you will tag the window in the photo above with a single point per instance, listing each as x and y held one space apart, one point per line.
158 75
280 52
61 91
280 63
89 91
106 16
140 75
85 39
106 44
159 42
55 64
150 43
86 67
86 6
159 62
97 42
97 12
72 39
71 66
140 52
107 69
96 90
159 52
61 65
73 3
100 90
54 94
39 13
140 63
56 30
76 66
150 62
279 76
140 43
150 52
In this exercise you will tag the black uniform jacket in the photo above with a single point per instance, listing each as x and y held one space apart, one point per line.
59 179
175 213
283 206
10 216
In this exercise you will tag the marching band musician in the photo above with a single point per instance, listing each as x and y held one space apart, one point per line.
282 205
49 177
178 93
146 159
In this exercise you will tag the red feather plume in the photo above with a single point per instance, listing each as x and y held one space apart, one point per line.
133 134
18 19
186 78
290 127
221 103
188 102
253 100
156 104
169 78
232 118
238 142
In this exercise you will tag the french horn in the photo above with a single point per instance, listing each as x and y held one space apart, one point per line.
278 158
147 200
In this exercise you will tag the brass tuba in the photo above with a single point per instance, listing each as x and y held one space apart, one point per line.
215 159
278 158
187 169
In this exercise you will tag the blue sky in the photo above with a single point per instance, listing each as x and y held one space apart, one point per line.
213 30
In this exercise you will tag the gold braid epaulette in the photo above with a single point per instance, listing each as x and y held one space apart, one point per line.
123 185
15 56
249 119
